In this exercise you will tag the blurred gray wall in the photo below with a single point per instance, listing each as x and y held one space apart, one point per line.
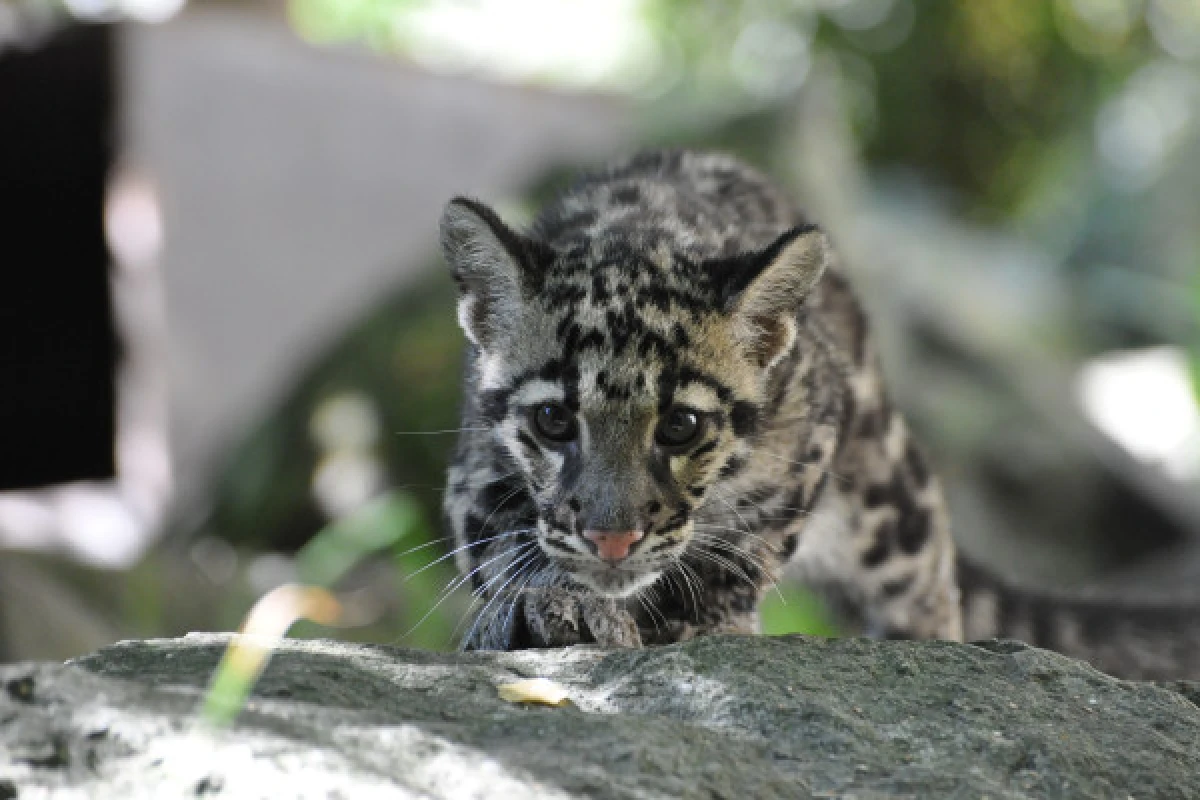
297 184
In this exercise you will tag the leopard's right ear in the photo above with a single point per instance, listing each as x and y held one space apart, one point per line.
493 266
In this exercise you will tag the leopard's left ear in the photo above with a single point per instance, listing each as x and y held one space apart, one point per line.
763 291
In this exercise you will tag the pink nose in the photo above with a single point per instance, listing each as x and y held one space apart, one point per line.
613 546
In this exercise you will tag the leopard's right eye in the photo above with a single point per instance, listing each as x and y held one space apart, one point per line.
555 422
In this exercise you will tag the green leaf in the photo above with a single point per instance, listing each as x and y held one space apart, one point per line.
377 526
794 609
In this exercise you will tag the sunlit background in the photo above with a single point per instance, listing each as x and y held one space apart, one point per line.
1015 185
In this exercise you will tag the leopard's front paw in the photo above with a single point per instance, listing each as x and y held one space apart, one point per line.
557 617
554 617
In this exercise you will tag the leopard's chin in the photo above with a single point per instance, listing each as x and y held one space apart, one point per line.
614 581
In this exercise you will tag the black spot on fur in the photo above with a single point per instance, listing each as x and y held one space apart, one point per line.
675 521
592 340
474 527
657 296
667 383
570 382
794 505
561 225
570 341
493 405
660 471
881 548
507 495
732 467
790 543
913 530
528 443
622 326
894 493
870 425
877 495
653 343
745 418
563 296
897 587
600 293
563 324
705 448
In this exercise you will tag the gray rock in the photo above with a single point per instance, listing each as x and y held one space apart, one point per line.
723 717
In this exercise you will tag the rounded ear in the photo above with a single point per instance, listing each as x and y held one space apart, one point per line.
763 291
492 265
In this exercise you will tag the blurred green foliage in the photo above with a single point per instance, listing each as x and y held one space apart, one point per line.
989 99
791 609
1071 122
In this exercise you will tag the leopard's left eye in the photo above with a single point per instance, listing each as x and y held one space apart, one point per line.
555 422
678 428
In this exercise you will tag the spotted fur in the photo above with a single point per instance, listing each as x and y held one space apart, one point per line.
676 281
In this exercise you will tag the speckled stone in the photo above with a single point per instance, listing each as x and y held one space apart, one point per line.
722 717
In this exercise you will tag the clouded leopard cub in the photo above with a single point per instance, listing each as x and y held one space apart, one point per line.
671 394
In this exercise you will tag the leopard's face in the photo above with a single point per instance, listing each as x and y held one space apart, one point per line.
620 438
624 386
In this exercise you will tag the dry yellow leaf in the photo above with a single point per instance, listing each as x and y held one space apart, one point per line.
535 690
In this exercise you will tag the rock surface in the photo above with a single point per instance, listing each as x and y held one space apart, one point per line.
723 717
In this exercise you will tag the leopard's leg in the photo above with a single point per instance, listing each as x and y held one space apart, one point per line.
734 560
700 598
879 541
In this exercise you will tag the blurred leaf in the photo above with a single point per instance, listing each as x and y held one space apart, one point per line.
381 524
794 609
247 655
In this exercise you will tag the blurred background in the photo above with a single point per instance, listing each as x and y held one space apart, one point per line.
227 342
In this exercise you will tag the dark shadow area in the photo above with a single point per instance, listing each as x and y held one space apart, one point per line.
57 345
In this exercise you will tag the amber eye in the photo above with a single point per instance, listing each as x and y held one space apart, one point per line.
555 422
678 428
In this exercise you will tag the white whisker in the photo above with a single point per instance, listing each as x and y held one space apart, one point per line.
455 551
459 581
